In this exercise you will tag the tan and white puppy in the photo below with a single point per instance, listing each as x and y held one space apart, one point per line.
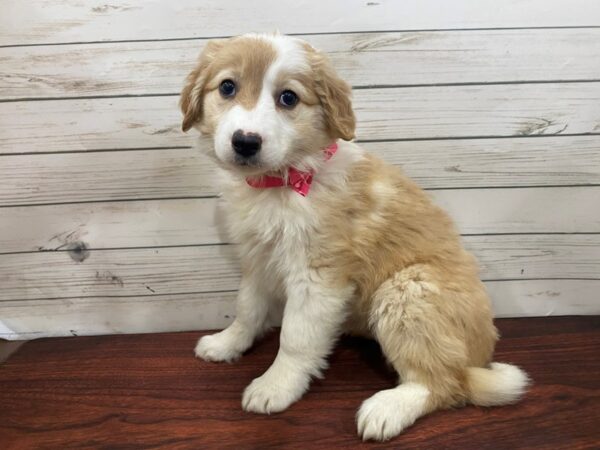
364 252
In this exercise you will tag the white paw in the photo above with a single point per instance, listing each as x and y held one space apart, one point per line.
217 347
266 394
387 413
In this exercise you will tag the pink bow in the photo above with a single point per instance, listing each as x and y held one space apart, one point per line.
298 180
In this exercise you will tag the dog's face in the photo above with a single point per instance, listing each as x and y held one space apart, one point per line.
268 101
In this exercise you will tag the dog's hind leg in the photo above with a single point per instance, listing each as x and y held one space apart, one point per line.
423 347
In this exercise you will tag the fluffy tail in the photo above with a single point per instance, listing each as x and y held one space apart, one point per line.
501 384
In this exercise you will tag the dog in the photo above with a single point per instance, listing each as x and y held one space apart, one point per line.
334 241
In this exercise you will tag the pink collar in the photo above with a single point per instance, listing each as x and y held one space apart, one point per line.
298 180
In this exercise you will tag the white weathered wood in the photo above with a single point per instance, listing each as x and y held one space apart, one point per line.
174 270
119 272
28 319
196 221
110 225
531 298
504 110
455 163
163 284
91 176
39 21
362 59
106 315
532 210
407 113
537 256
55 178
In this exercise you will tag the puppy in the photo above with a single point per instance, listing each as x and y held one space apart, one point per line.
337 240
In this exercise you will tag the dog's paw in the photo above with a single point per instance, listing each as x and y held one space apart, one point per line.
265 395
216 348
377 418
387 413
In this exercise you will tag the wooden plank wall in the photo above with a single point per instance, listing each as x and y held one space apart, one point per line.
108 218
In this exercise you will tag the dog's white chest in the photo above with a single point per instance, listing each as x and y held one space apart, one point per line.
273 231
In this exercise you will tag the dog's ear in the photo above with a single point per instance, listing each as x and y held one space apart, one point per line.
192 94
335 96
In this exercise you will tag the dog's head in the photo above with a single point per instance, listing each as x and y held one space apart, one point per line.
268 101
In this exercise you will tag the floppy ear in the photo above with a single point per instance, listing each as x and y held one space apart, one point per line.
335 96
192 94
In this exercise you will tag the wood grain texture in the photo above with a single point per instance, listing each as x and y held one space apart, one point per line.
382 113
362 59
119 272
73 21
170 270
199 221
108 225
459 105
479 163
151 313
77 177
155 313
148 391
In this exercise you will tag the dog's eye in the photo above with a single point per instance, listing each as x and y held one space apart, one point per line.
227 88
288 99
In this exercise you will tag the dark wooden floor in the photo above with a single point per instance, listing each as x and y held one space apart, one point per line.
148 391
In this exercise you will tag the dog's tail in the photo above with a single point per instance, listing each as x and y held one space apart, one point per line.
501 384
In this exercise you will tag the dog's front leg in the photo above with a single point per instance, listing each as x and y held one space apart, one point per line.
312 321
252 307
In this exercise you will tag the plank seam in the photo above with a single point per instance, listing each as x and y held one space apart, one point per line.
359 87
100 150
358 141
469 138
224 291
228 291
201 197
316 33
63 248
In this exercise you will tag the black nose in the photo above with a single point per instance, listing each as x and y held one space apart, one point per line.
246 144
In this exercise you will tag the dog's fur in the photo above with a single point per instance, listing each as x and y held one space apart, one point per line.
366 252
